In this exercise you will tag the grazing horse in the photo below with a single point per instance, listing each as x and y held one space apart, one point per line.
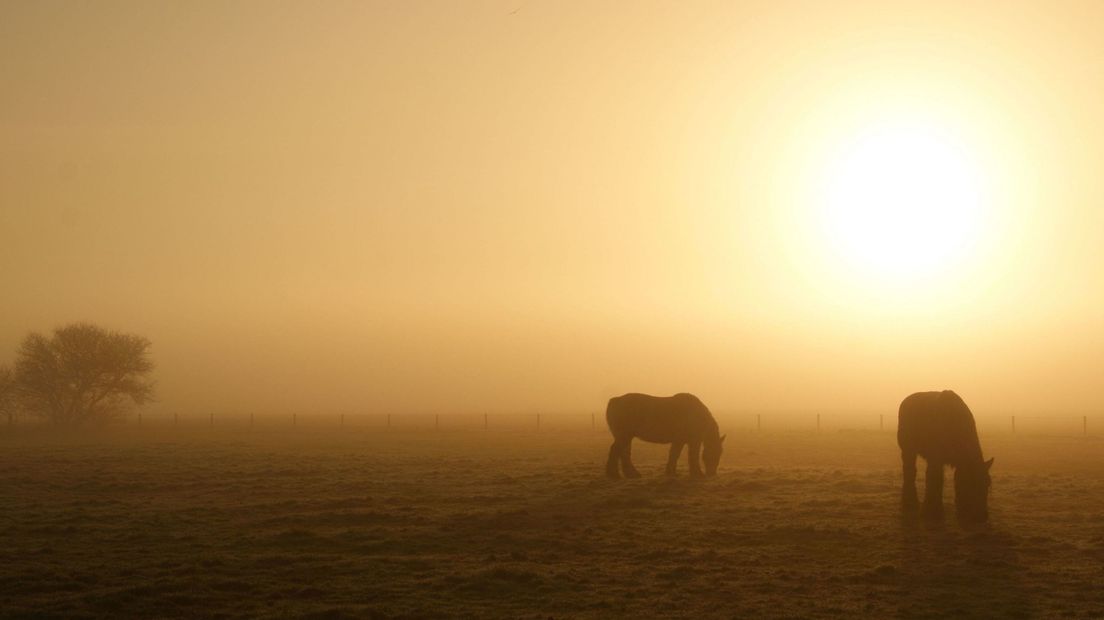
679 420
939 427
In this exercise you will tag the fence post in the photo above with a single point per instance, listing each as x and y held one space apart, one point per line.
538 421
139 419
437 421
212 419
250 419
881 421
484 421
593 424
342 420
293 420
818 422
389 420
758 422
1085 425
176 419
1013 424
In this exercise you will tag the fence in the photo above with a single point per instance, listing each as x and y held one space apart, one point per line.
803 421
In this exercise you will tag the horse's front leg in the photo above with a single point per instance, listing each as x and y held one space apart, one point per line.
695 459
673 456
933 490
909 501
614 457
626 460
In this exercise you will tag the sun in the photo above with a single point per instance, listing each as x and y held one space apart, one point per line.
902 200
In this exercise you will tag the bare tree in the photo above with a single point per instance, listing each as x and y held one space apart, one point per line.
83 374
8 395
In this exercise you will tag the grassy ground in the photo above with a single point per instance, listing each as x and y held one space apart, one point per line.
467 523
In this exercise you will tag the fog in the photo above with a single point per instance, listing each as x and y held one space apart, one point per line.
436 207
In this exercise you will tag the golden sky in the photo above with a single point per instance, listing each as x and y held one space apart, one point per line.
532 206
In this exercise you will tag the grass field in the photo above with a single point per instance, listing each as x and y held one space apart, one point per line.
356 522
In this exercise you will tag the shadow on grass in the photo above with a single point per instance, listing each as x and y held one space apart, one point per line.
948 571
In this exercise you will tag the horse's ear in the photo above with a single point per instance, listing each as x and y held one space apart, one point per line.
988 464
722 438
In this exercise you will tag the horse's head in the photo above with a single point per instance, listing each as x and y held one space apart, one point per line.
972 492
711 454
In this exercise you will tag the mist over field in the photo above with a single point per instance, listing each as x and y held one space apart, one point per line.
432 207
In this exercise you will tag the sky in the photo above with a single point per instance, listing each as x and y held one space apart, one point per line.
522 206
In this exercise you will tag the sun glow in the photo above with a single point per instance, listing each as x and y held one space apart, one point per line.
902 200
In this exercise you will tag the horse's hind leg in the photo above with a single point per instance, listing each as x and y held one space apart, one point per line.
909 501
672 457
611 462
933 490
626 460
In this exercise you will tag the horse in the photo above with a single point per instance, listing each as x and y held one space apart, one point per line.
679 420
940 427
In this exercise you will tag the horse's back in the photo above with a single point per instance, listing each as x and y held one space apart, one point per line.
938 426
659 419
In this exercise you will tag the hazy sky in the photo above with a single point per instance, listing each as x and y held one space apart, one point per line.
532 206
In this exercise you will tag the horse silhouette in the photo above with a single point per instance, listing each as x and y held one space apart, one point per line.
940 427
679 420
